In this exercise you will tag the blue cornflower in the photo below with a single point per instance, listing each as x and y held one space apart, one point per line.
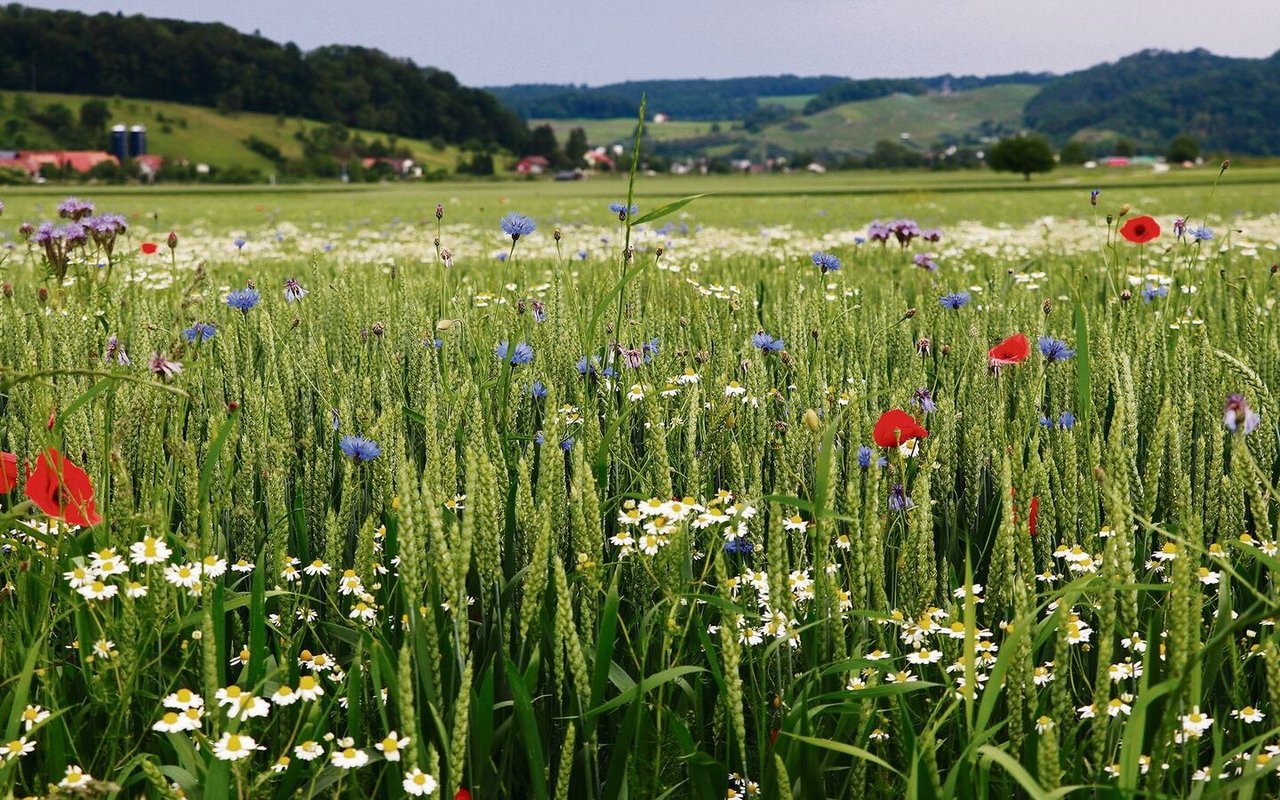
827 262
538 390
923 398
864 457
517 225
650 348
1067 421
1093 197
359 449
898 500
437 343
955 301
1055 349
1151 292
585 366
538 438
1045 422
239 243
200 332
293 290
622 208
582 255
1202 234
763 341
739 546
566 444
243 300
522 354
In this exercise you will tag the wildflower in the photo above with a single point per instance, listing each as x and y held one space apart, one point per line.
17 748
97 590
623 210
163 367
896 427
308 751
1055 349
350 757
1238 416
517 225
239 242
235 746
62 490
1151 292
1140 230
521 355
955 301
73 208
284 695
75 778
1196 723
1202 233
766 343
149 248
309 688
418 783
34 715
922 398
293 291
114 351
1093 197
1043 723
827 262
1067 421
173 722
390 746
925 261
8 472
183 699
898 500
864 457
1011 351
243 300
1247 714
317 567
199 332
359 449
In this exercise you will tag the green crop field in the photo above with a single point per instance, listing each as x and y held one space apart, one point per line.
923 486
205 135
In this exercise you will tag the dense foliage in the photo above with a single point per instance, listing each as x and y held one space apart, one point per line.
699 99
1152 96
215 65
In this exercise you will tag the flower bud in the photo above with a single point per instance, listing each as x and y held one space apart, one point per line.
556 235
1125 209
1047 306
1126 296
439 211
173 240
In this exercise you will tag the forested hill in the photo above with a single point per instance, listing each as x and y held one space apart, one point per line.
215 65
1228 104
694 99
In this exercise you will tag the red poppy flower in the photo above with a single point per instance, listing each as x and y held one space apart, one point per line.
1140 230
895 427
1010 351
62 490
8 472
463 794
1034 516
149 248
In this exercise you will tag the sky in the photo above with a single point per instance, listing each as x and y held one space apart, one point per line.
498 42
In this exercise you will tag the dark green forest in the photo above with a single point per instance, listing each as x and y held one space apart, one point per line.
1227 104
215 65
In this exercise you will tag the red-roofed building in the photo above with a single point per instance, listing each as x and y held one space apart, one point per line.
533 165
598 159
32 161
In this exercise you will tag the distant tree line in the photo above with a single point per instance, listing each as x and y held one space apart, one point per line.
701 99
215 65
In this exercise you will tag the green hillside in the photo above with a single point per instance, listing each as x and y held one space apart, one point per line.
195 133
856 127
622 129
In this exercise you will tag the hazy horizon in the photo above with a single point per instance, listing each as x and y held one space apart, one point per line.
543 42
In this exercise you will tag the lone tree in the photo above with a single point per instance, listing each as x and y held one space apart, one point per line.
1022 154
1182 148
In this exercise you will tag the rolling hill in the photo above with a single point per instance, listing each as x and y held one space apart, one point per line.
194 133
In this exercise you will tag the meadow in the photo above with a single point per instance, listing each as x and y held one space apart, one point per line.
814 486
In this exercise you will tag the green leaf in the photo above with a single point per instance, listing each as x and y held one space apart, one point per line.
532 736
841 747
662 211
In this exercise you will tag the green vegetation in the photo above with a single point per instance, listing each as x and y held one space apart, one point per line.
629 522
1021 154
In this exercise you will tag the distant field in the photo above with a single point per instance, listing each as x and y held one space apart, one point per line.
796 101
925 118
610 131
846 200
207 135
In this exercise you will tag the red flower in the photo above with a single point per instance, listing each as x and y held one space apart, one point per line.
895 427
1034 515
149 248
62 490
1140 230
1010 351
8 472
463 794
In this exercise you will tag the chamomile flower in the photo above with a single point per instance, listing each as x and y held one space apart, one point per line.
391 745
17 748
235 746
418 783
308 751
349 758
34 715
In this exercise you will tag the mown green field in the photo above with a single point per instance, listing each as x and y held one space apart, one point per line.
343 496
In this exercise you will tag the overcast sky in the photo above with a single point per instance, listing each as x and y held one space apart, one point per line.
545 41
